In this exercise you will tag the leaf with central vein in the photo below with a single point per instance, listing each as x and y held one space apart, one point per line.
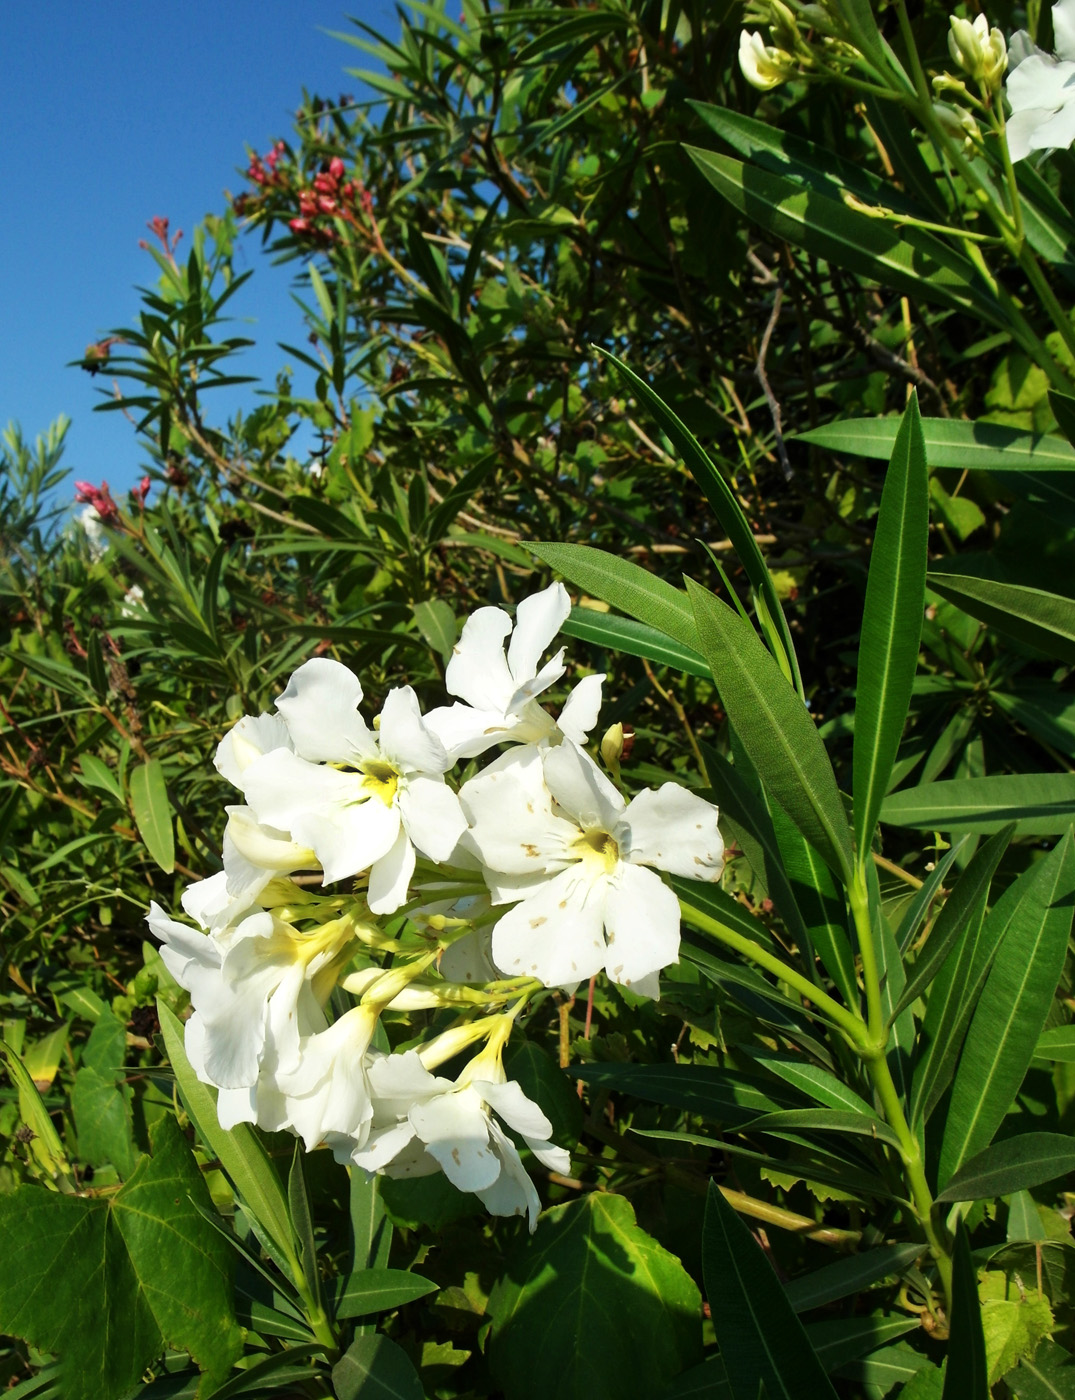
1044 621
891 623
1012 1165
759 1335
1041 804
626 586
950 442
1011 1010
774 728
967 1376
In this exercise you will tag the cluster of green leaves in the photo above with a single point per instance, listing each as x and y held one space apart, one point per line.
585 298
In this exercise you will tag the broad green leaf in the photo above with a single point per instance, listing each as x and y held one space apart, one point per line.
623 634
950 442
889 1367
1014 1321
705 1382
184 1267
906 260
1058 1043
774 728
543 1081
153 813
380 1290
436 622
965 905
559 1310
1011 1011
239 1149
101 1102
966 1376
891 623
759 1335
626 586
375 1368
1063 405
1044 621
1048 1375
1040 804
66 1269
850 1276
1011 1165
728 511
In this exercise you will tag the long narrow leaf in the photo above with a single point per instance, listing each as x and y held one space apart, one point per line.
950 442
967 1376
1040 804
1044 621
891 623
774 727
626 586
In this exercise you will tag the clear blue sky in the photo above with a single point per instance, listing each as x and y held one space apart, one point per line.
118 112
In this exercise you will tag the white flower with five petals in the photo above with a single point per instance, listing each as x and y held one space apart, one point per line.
360 800
500 690
557 839
1041 89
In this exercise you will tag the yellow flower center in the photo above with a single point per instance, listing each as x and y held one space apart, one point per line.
380 779
598 847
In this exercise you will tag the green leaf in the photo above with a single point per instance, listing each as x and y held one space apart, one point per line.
1044 621
891 623
722 1096
1011 1165
892 1366
1058 1043
1048 1375
950 442
436 622
559 1311
101 1102
966 1376
850 1276
153 813
1011 1011
909 261
728 512
965 905
381 1290
840 1340
239 1149
814 1080
374 1368
371 1231
823 1120
98 775
302 1223
759 1335
1040 804
774 727
183 1265
626 586
632 638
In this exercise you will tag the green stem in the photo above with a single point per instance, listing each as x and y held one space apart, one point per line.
847 1021
859 900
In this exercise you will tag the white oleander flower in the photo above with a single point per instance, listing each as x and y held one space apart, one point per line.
500 690
554 835
424 1123
255 854
360 800
763 65
1041 89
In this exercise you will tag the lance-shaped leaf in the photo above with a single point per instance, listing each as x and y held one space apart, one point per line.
906 260
153 813
623 634
375 1368
850 1275
1040 804
1044 621
729 513
380 1290
950 442
774 728
891 623
1012 1009
1012 1165
760 1337
626 586
967 1375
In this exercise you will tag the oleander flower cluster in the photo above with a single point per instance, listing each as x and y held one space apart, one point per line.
361 877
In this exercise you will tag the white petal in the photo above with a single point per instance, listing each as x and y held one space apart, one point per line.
405 740
549 674
537 621
1064 29
555 934
401 1080
210 903
641 924
581 788
235 1106
581 709
254 854
518 1111
675 830
513 1193
478 671
248 739
390 877
557 1159
466 732
382 1146
432 816
455 1129
1058 132
512 824
469 959
320 706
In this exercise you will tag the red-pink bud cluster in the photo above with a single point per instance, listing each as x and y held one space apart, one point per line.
141 491
100 498
262 169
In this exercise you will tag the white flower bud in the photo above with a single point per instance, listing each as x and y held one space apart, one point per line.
764 66
980 51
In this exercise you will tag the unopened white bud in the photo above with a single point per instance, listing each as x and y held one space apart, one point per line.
980 51
763 65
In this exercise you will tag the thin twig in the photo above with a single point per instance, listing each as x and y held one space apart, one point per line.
763 380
